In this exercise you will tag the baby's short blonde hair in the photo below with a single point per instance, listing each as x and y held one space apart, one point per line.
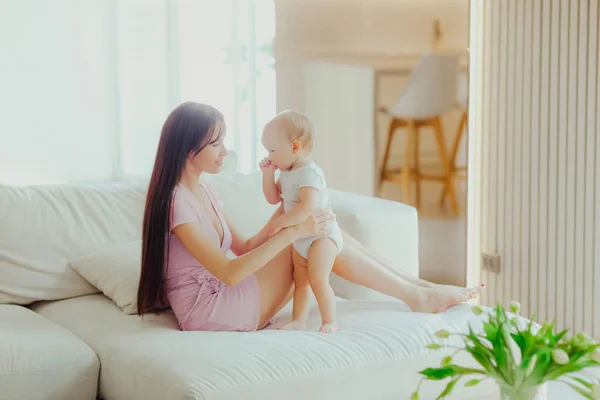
297 126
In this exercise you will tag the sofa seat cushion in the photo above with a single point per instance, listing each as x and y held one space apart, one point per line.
376 354
41 360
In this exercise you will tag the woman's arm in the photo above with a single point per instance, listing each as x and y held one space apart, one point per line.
241 244
199 244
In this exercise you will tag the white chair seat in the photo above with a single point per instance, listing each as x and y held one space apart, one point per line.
431 88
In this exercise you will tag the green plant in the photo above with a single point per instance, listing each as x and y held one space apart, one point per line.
519 356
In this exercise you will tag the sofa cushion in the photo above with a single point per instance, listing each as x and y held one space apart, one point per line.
376 354
44 227
41 360
114 270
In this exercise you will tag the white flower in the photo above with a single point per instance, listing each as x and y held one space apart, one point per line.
531 365
515 307
513 347
584 338
560 356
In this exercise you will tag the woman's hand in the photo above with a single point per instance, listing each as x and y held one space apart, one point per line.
278 225
314 225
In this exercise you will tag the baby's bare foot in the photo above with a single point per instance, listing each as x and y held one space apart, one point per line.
295 325
431 300
329 327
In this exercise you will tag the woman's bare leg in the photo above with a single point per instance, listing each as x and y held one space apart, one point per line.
275 281
348 239
302 293
358 266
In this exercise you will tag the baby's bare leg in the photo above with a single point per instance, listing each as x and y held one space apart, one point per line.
301 294
321 257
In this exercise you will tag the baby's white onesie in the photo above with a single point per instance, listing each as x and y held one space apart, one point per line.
310 175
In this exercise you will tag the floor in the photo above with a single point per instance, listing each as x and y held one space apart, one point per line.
442 236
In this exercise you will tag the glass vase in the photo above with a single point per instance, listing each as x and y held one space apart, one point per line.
522 393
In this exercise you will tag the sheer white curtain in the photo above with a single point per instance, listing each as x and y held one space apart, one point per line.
87 85
217 52
57 92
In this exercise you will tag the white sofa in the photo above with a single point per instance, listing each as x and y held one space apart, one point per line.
61 338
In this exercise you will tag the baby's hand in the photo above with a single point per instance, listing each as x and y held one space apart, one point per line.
266 166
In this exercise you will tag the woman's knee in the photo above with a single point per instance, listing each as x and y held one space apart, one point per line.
278 270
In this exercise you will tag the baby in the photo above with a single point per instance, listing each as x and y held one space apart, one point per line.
301 185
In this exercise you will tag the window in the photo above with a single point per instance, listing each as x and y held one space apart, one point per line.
217 52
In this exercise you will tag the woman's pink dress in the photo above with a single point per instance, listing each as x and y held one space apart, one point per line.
200 301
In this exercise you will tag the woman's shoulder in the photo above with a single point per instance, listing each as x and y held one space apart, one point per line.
181 195
183 207
210 188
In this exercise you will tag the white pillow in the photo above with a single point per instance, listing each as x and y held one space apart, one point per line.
114 270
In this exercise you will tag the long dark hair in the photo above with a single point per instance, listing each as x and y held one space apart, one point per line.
187 130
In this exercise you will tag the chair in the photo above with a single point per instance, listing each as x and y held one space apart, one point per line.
429 93
463 102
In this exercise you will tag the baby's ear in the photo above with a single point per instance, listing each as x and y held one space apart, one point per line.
296 146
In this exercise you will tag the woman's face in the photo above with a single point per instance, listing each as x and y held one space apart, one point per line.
210 158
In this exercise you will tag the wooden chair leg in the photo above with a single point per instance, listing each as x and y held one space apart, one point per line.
459 134
417 169
410 142
386 155
449 180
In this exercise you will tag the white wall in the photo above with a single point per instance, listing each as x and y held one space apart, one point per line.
344 140
538 132
369 26
57 112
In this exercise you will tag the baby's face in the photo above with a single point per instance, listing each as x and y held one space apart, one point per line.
278 146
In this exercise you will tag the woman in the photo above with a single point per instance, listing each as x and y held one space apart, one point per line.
186 236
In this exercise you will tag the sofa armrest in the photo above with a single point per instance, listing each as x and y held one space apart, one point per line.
388 228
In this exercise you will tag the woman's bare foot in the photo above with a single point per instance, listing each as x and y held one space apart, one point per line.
450 287
295 325
434 300
329 327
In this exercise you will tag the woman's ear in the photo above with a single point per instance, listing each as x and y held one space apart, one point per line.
296 146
